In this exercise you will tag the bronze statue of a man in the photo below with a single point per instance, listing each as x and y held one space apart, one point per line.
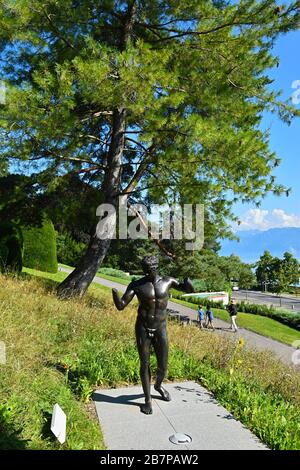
152 292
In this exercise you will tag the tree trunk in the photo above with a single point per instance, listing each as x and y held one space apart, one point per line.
79 280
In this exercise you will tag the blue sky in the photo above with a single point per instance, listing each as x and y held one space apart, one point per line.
284 140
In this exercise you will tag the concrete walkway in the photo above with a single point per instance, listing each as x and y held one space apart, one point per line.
193 411
252 340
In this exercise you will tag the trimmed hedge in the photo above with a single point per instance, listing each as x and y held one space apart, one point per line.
11 247
40 247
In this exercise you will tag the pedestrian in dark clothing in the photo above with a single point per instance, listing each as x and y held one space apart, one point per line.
209 318
233 314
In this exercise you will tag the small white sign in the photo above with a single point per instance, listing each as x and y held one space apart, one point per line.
58 423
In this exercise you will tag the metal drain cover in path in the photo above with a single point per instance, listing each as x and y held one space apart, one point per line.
180 438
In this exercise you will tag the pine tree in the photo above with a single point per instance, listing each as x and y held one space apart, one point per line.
133 94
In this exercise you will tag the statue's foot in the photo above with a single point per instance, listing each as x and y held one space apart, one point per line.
163 392
147 408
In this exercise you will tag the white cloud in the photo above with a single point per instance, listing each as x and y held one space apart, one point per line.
262 219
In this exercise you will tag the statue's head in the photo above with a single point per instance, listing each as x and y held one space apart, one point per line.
150 264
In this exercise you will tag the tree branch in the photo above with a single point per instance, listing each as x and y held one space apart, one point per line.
137 143
56 31
140 171
200 33
88 170
148 230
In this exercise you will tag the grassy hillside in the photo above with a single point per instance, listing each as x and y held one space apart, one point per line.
59 351
38 331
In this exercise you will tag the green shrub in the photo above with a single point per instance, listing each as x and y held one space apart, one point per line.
40 247
11 247
69 251
199 285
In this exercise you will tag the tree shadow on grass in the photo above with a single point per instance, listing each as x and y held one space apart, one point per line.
49 284
10 437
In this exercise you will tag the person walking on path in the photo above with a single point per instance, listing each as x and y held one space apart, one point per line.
201 315
233 314
209 318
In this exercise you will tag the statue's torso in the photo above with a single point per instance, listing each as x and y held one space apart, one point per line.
153 298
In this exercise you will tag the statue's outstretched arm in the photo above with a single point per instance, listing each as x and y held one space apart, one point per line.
122 302
185 286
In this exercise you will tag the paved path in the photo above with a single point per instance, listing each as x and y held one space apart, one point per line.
253 340
193 411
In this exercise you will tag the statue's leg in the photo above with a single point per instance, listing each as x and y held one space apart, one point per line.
143 345
161 348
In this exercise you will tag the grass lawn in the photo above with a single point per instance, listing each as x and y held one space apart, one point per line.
114 279
57 277
61 350
60 276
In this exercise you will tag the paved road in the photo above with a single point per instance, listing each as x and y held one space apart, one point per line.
254 297
253 340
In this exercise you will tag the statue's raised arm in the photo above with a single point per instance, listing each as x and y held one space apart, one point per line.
185 286
122 302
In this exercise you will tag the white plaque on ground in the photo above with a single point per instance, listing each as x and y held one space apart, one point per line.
58 423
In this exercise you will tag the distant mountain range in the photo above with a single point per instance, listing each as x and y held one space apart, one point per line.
253 243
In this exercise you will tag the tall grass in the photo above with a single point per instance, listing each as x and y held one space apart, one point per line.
34 327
